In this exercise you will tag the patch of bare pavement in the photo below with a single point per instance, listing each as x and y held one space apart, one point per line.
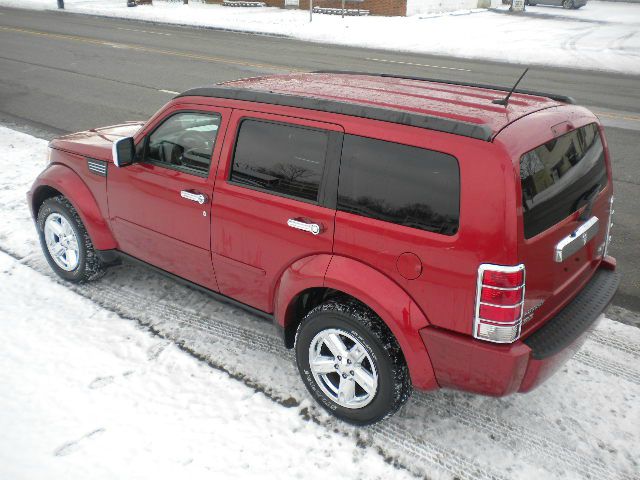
623 315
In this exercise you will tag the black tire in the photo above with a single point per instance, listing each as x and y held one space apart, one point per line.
568 4
394 384
89 265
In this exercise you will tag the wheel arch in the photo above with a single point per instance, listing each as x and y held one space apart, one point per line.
61 180
311 281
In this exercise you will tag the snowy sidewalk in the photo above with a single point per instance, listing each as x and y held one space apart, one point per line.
600 36
86 395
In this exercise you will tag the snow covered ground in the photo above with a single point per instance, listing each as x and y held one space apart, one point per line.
599 36
135 376
88 395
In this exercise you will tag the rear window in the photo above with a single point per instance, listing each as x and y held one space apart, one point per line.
400 184
558 177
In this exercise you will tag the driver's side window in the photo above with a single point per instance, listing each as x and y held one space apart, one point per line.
184 142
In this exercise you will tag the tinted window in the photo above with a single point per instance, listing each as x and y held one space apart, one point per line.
184 142
282 159
400 184
558 177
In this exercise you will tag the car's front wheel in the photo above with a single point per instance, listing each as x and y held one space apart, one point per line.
351 363
65 241
568 4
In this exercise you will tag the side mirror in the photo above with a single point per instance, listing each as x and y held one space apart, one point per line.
124 152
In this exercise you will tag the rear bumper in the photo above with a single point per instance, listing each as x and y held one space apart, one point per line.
464 363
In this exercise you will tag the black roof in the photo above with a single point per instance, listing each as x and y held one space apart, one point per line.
456 127
480 131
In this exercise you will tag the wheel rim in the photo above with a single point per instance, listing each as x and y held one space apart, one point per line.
61 241
343 369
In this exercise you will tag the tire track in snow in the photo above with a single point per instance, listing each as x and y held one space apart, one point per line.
569 44
460 467
147 310
612 367
619 44
509 434
613 341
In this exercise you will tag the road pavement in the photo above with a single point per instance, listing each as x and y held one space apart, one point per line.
62 72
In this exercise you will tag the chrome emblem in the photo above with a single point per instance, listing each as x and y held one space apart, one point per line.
528 315
585 238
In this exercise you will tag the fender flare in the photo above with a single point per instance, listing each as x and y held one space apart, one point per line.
301 275
374 289
68 183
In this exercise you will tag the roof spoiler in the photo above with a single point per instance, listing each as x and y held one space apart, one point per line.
552 96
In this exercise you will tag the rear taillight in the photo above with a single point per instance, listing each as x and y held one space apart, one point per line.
499 303
607 238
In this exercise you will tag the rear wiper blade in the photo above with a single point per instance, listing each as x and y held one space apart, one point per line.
590 196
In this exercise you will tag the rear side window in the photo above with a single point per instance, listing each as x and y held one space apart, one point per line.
281 159
400 184
558 177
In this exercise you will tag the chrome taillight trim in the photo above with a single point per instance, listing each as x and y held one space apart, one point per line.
479 284
503 288
607 238
500 306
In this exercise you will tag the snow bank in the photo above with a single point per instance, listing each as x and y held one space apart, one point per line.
415 7
85 393
600 36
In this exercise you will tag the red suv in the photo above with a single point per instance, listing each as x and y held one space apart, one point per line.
401 232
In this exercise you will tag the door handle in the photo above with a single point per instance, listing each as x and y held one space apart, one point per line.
194 197
312 228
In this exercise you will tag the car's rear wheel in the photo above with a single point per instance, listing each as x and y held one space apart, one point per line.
568 4
65 241
351 363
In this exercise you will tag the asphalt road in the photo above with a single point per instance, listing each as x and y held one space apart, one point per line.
61 72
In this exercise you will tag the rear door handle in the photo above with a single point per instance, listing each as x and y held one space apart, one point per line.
194 196
312 228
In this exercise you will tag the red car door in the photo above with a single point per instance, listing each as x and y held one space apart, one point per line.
160 206
274 201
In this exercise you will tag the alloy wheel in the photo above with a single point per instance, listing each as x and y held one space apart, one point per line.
343 369
62 242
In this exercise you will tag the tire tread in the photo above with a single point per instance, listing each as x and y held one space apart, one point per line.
92 268
402 387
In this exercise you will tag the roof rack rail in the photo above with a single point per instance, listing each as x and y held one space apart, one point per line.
430 122
552 96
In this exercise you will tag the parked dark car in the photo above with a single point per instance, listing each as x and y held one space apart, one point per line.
568 4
